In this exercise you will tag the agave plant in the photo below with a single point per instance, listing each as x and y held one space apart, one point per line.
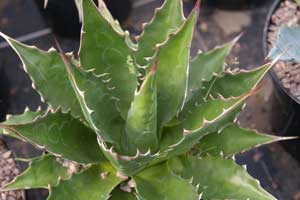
137 120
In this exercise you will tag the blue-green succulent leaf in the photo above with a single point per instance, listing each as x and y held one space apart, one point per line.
219 178
63 135
42 172
49 76
105 50
158 182
95 183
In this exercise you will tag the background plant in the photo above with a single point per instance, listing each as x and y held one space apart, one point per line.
137 120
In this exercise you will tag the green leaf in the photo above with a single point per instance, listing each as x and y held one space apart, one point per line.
95 183
118 194
233 140
167 20
26 117
61 135
203 68
127 165
106 51
49 76
287 44
158 182
43 172
209 111
97 103
141 124
219 178
207 65
238 84
213 116
172 73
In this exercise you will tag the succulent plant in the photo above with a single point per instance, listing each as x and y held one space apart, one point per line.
137 120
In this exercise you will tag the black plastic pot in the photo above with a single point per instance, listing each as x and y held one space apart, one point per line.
62 15
234 4
4 93
286 112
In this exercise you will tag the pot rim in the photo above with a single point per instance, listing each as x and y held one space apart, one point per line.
272 73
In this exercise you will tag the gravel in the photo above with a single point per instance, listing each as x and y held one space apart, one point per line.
8 170
288 73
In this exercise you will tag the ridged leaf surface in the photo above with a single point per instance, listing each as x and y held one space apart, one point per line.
106 51
61 135
42 172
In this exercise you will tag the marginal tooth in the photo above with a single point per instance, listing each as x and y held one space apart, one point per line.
39 109
104 175
221 154
42 99
191 180
33 86
106 81
26 109
143 25
8 116
199 51
121 176
132 183
200 195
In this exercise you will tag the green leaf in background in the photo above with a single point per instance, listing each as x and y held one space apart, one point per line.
43 172
158 182
141 124
49 76
167 20
172 73
219 178
287 46
233 140
95 183
62 135
111 56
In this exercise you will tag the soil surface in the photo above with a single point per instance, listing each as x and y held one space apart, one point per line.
288 73
8 171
